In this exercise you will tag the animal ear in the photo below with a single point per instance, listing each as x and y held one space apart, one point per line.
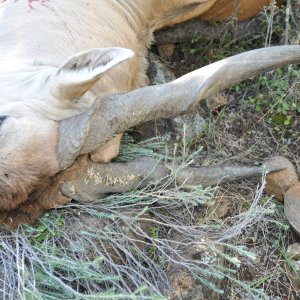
80 72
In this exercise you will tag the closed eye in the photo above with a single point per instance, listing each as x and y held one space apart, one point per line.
2 119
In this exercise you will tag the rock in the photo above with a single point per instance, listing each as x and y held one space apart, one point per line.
278 183
292 207
184 286
216 101
158 72
189 126
166 50
208 254
296 266
219 207
170 130
293 251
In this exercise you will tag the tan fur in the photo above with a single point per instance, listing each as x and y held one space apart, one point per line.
47 196
107 152
46 34
241 9
27 172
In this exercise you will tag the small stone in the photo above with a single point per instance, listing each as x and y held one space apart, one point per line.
166 50
292 207
158 72
293 251
278 183
181 281
188 126
219 207
216 101
184 286
296 266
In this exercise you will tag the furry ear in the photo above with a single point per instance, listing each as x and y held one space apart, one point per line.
78 74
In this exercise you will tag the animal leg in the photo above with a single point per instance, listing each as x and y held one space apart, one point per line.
107 152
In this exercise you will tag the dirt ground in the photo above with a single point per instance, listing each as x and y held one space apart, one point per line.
247 131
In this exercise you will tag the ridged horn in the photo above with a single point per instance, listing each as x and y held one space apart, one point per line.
115 114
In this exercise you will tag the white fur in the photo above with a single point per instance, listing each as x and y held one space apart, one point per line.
57 56
33 52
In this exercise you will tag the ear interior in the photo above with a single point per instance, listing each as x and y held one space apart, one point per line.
79 73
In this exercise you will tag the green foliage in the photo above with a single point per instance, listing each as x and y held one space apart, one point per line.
48 226
60 265
279 96
131 150
152 251
275 94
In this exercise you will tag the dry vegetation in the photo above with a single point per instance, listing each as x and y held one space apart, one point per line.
261 120
159 241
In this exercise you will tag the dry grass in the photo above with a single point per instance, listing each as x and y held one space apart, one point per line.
248 132
129 246
124 246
